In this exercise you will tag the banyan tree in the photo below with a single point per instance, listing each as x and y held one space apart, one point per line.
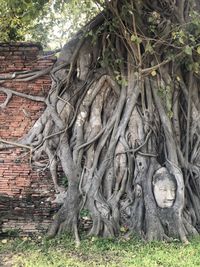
122 119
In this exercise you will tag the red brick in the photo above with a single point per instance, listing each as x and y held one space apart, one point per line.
17 178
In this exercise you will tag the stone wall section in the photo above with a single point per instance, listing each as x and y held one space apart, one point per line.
24 193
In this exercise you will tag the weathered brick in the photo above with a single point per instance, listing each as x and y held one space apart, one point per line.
17 180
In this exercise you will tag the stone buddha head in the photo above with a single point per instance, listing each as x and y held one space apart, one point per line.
164 188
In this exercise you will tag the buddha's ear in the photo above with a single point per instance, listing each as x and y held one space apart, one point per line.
154 178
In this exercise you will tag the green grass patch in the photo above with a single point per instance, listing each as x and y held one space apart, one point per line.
61 252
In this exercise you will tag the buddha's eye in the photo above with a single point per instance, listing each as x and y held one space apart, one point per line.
163 189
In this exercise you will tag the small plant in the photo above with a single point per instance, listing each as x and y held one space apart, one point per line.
84 213
64 181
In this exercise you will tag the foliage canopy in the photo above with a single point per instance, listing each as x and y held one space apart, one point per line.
43 21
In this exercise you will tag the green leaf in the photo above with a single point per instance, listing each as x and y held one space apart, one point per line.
188 50
153 73
149 48
181 41
198 50
136 39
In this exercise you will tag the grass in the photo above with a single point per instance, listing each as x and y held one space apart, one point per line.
61 252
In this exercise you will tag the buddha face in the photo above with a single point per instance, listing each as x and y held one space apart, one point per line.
164 189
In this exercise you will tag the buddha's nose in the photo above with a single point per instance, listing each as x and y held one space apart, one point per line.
170 195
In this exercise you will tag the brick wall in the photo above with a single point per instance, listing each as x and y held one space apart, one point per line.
24 193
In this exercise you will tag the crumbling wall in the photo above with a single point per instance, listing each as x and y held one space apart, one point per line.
24 193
